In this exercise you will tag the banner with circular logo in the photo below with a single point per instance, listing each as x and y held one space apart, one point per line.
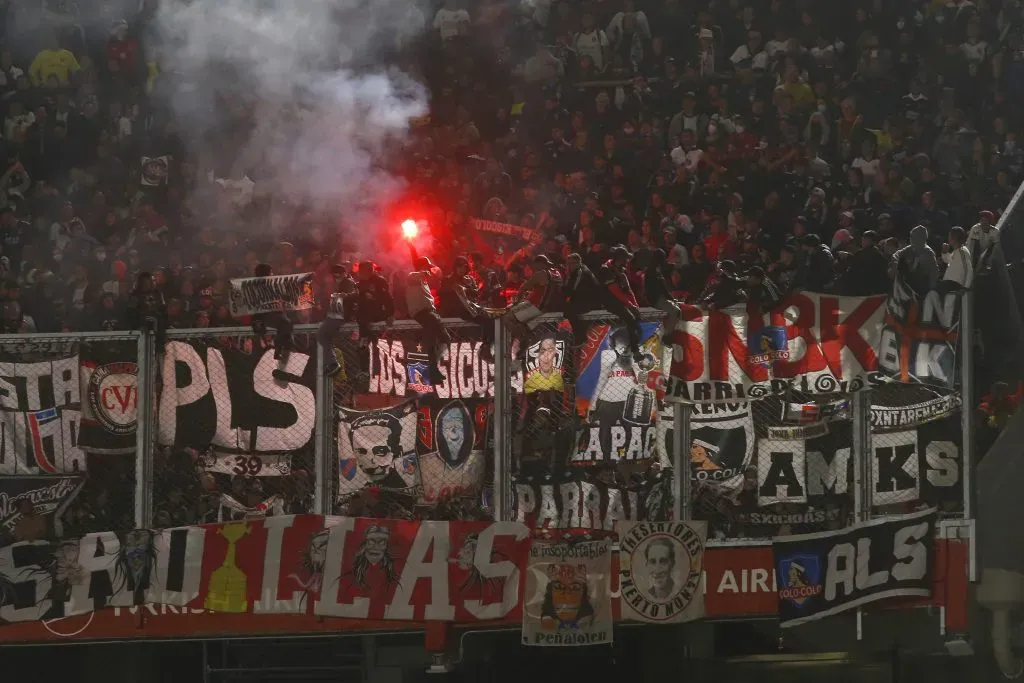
660 566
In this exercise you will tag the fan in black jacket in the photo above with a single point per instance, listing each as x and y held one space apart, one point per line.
147 309
279 320
658 294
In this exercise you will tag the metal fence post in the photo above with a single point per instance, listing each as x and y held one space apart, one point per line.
862 455
144 416
501 499
967 398
682 508
323 437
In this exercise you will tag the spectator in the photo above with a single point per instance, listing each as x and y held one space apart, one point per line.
959 269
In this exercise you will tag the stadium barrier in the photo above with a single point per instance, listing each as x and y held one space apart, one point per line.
564 428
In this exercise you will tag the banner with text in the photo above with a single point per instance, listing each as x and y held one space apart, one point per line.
827 573
569 584
920 336
501 242
812 343
255 295
110 396
234 401
660 570
31 507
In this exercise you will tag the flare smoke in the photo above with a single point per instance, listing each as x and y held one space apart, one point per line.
292 93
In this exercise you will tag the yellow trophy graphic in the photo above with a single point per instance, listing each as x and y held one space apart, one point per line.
227 591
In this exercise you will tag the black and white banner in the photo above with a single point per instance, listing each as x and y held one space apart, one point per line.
723 443
889 419
575 504
247 465
26 498
254 295
233 401
398 367
919 464
377 448
919 336
110 388
826 573
40 409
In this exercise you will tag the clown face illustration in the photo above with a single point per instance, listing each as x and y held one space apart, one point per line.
454 434
375 545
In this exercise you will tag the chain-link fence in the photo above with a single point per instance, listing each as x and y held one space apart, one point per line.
233 429
414 441
585 422
67 435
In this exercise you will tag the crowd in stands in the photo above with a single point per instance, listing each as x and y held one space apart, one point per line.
769 143
801 138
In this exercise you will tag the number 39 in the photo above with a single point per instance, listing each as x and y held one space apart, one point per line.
251 465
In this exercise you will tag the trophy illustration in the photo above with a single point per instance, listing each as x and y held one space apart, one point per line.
227 591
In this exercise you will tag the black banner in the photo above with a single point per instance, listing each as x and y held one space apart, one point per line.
581 504
31 507
827 573
254 295
723 444
110 396
234 401
40 409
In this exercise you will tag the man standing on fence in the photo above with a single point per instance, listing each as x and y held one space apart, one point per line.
622 302
420 302
534 297
344 288
372 300
658 294
279 320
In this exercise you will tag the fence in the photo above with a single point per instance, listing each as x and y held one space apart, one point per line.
574 423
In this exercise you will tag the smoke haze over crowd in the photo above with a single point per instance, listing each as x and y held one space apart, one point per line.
295 95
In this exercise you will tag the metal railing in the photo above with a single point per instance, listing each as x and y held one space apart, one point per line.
564 426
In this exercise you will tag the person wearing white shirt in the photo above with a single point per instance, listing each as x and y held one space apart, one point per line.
449 20
592 42
957 257
751 55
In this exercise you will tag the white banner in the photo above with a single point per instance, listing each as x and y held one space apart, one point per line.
253 295
660 565
247 465
569 589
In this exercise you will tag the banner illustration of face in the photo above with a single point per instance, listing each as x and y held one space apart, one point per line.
454 433
377 448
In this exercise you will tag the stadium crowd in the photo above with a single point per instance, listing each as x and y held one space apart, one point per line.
804 140
739 148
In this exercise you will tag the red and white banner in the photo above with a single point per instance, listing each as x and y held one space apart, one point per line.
307 574
812 343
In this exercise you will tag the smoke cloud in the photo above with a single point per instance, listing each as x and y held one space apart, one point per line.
294 94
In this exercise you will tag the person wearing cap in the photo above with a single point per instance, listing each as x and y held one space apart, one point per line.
619 299
534 296
982 237
279 320
419 301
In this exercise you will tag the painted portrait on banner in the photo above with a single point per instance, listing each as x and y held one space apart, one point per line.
616 392
377 448
568 593
452 442
660 565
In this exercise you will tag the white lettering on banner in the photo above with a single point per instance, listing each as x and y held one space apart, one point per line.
942 460
329 605
31 586
581 505
97 554
39 433
433 540
828 477
505 571
269 602
895 471
754 580
829 344
632 443
211 378
849 564
466 373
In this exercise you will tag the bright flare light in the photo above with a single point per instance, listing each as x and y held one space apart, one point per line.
410 229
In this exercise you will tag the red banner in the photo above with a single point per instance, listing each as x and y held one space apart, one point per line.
309 574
